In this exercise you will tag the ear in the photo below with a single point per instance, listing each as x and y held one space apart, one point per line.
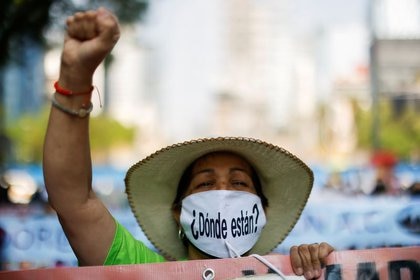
176 213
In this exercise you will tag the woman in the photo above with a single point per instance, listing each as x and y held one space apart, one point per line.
209 170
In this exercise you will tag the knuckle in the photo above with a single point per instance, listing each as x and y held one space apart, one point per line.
69 19
325 247
78 15
313 248
303 247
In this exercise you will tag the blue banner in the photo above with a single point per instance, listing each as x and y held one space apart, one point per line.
37 240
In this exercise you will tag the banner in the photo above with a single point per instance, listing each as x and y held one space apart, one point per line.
37 240
376 264
357 222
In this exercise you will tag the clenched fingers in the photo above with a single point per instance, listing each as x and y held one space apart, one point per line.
107 26
308 259
82 25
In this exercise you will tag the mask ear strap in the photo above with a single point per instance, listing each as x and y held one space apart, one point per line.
232 252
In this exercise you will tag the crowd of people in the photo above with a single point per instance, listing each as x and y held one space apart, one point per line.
382 176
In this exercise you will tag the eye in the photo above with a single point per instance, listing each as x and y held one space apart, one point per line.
205 184
240 183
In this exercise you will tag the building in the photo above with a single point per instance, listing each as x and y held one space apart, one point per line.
23 81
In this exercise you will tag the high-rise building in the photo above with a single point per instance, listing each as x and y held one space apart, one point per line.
23 81
258 67
395 51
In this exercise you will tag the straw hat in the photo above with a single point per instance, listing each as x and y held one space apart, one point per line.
151 186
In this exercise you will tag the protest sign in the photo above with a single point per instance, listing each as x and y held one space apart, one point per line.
378 264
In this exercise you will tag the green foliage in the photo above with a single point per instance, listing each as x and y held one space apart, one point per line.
23 21
106 133
400 134
27 135
363 126
30 18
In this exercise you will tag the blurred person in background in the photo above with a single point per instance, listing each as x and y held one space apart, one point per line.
386 182
161 187
414 189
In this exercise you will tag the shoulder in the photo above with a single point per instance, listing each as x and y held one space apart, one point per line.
125 249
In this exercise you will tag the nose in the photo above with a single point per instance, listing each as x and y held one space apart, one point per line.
223 184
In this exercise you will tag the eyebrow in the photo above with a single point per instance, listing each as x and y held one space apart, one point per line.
211 170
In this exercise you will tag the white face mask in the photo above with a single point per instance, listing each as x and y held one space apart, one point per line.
222 223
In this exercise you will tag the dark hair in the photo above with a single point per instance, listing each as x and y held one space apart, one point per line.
186 177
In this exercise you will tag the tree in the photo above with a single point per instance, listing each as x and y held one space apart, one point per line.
28 133
20 18
399 133
23 19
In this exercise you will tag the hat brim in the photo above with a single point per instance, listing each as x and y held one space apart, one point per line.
151 186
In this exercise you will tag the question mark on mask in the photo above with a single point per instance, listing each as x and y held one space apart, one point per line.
255 208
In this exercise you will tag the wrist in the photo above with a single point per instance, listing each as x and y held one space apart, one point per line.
81 110
76 79
75 101
75 83
67 92
73 91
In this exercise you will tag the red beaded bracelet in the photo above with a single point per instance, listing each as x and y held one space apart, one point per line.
64 91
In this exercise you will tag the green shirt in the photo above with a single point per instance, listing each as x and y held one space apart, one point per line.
125 249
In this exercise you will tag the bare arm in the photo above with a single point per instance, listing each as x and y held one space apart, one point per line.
88 225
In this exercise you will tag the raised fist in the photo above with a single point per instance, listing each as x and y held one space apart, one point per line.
90 37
